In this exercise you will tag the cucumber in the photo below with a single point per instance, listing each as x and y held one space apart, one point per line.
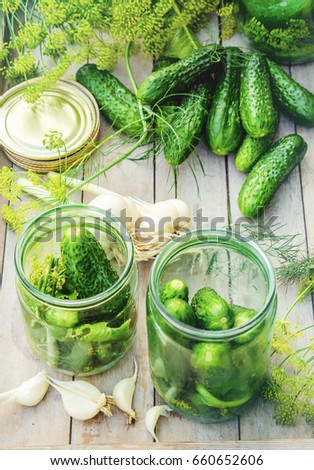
179 76
184 126
175 288
180 310
163 62
257 109
224 131
252 149
117 104
269 172
296 101
87 268
212 311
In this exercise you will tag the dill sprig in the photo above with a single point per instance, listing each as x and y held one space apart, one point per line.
283 247
70 31
227 13
295 35
290 382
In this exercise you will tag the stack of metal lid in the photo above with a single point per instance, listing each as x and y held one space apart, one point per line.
67 108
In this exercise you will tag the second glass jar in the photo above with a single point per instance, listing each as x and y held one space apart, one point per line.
211 376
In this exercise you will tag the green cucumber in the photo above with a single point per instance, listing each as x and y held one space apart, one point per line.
269 172
224 131
252 149
296 101
87 268
180 76
117 104
183 129
257 110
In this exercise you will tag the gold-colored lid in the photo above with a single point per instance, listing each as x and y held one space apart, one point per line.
57 164
66 107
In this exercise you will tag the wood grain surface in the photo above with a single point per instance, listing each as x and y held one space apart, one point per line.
47 426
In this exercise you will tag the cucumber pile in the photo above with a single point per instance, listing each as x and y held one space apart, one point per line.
206 379
80 340
208 310
231 97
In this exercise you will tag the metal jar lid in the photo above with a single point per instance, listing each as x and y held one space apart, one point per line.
66 107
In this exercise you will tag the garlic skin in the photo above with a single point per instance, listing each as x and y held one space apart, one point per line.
81 399
123 392
152 416
29 393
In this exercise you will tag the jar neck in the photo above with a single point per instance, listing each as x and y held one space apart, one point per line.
51 220
228 239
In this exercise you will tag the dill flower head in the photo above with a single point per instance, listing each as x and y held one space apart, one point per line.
22 66
4 50
15 218
10 6
286 412
29 35
53 11
58 189
107 55
8 187
53 141
55 45
49 78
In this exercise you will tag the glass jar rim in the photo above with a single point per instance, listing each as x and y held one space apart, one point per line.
114 222
173 248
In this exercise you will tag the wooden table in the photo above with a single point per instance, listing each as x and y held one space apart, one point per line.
47 424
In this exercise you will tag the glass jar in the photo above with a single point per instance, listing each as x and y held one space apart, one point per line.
211 376
79 336
283 30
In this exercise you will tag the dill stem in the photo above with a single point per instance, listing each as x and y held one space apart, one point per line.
128 67
299 298
134 85
112 164
186 29
286 359
134 147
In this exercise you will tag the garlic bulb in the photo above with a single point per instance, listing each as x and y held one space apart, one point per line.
29 393
123 394
82 400
152 416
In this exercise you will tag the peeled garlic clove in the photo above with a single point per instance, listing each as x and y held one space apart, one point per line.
79 407
152 416
82 400
29 393
123 394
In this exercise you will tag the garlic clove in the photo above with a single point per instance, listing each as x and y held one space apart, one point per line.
29 393
79 407
152 416
119 206
184 213
123 394
82 400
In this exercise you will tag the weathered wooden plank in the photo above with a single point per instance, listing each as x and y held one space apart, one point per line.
304 75
211 199
131 179
286 205
21 426
274 444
